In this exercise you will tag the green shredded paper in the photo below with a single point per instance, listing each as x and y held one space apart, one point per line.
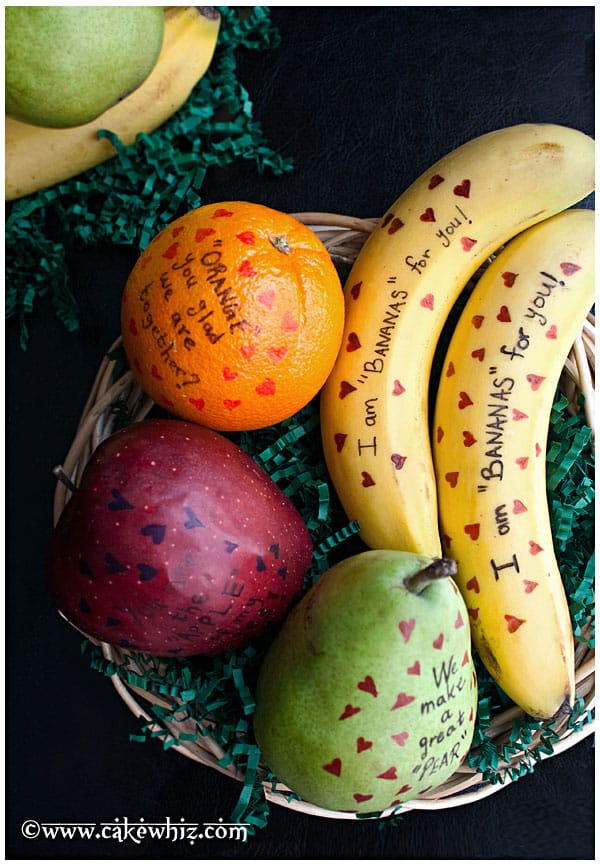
132 196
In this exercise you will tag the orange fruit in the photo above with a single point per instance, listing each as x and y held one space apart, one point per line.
232 317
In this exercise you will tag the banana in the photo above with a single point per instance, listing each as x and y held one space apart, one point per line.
491 417
404 282
37 157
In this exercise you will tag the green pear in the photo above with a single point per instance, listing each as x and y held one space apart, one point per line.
366 698
65 65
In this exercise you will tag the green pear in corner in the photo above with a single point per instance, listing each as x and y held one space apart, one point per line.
366 698
65 65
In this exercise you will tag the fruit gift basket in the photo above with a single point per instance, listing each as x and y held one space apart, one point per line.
202 707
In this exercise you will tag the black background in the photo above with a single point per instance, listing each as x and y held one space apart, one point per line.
364 100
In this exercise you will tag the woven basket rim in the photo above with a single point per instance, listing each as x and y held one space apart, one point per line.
343 237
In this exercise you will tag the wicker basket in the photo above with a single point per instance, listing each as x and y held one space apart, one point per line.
343 236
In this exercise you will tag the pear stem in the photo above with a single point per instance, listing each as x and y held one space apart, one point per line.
440 568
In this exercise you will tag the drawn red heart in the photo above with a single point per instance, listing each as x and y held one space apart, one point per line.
155 373
247 351
467 243
463 189
334 767
504 315
229 374
397 389
390 774
398 461
551 332
231 404
246 237
404 789
459 621
353 343
473 613
518 507
466 659
359 797
340 440
266 298
522 462
428 215
427 301
473 584
439 434
535 548
435 181
246 269
509 278
400 738
132 327
349 711
198 404
288 323
451 477
568 268
513 623
447 540
362 744
367 480
267 388
415 669
477 321
529 586
438 642
355 290
402 700
469 439
478 354
538 449
406 628
203 233
368 686
221 212
472 530
395 225
345 388
519 415
535 380
450 370
277 354
176 231
171 252
464 400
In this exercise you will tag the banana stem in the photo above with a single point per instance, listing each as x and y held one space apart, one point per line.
440 568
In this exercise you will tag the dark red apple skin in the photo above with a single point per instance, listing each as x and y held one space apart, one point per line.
176 543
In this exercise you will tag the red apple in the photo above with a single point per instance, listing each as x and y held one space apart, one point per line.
176 542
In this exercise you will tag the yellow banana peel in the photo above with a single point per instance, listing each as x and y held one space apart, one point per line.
399 293
492 413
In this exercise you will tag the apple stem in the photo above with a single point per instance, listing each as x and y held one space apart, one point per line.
440 568
64 478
